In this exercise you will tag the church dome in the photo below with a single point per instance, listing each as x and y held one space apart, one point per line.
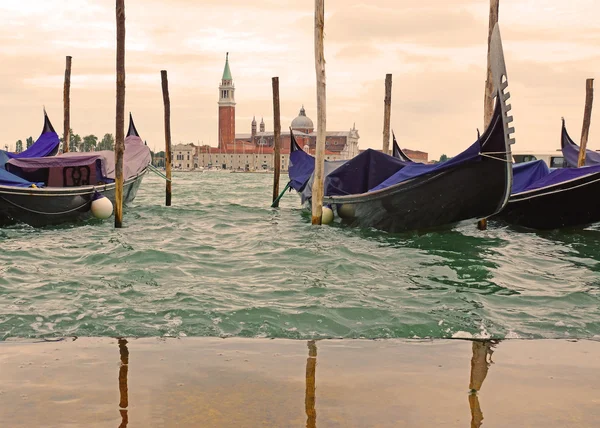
302 122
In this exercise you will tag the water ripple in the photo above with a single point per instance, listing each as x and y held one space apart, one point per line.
220 262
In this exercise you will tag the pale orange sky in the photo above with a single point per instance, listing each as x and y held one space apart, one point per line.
434 49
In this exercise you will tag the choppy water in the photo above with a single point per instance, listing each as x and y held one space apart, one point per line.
220 262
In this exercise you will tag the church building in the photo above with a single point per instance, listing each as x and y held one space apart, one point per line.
254 150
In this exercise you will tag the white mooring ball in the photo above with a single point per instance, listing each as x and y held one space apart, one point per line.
327 215
102 207
345 210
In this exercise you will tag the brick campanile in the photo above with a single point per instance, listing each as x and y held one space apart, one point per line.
226 108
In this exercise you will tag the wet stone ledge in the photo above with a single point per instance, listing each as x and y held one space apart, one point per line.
208 382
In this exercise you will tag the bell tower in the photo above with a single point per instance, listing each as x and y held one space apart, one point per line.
226 108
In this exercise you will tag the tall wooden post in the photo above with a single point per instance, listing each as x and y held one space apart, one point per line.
167 103
387 111
587 117
311 381
67 107
317 189
488 102
120 119
277 142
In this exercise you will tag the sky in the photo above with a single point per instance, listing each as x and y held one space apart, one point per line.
435 50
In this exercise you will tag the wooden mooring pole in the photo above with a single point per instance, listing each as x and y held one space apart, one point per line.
387 112
120 119
67 107
167 103
277 142
488 102
587 117
317 189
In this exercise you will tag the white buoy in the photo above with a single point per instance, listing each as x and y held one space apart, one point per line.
101 207
345 210
326 215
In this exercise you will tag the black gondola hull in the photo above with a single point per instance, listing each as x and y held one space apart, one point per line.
569 204
51 206
471 191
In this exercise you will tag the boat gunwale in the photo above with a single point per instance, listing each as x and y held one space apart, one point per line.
65 191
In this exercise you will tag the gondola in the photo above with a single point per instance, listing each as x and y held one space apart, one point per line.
547 199
47 144
42 191
377 190
397 152
570 151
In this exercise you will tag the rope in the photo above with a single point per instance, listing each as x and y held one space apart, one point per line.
157 172
487 155
44 213
287 186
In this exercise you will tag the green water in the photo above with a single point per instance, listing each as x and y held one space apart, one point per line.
220 262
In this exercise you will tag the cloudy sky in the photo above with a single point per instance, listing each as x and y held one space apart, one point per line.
436 51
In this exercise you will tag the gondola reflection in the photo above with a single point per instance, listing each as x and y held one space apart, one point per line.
310 397
480 365
123 391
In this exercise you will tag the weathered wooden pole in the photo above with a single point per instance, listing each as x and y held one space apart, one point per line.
276 142
120 119
123 389
317 189
488 102
587 117
387 112
311 381
67 107
167 103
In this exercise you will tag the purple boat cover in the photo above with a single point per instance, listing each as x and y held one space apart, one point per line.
45 144
136 158
536 175
8 179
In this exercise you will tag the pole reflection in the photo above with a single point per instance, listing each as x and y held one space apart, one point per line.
310 397
480 365
123 391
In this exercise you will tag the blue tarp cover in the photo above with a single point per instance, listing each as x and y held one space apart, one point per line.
44 145
8 179
361 173
370 170
535 175
414 169
300 169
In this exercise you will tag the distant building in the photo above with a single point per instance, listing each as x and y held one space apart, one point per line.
183 156
254 150
416 155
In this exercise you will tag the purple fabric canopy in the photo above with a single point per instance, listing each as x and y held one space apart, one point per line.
45 145
535 175
136 157
8 179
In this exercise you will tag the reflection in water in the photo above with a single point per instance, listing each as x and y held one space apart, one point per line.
310 399
480 364
123 392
